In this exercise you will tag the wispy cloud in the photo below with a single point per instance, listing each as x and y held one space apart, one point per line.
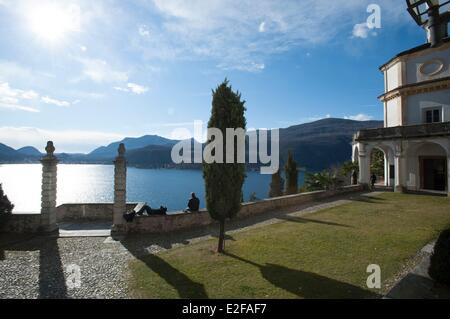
16 106
240 35
362 31
100 71
49 100
359 117
262 27
132 88
144 30
13 99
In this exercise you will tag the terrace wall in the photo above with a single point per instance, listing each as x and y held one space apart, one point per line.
24 223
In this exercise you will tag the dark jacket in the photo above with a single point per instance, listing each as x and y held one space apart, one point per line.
194 204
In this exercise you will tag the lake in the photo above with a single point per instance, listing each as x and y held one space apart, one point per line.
94 184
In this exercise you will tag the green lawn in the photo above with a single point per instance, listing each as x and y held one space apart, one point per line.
321 255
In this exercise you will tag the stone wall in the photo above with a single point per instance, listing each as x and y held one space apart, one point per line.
180 221
87 212
22 223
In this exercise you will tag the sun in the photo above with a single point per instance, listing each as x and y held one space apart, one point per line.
51 21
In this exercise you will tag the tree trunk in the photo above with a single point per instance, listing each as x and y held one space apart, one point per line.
221 245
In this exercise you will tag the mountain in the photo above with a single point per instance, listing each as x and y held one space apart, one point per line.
29 151
8 154
24 155
321 144
131 143
315 146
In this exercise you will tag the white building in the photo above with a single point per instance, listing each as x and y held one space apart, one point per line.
416 134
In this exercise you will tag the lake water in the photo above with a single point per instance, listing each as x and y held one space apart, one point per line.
94 184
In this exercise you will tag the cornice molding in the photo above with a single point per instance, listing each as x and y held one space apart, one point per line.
417 88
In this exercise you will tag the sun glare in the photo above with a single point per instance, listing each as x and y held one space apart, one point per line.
51 22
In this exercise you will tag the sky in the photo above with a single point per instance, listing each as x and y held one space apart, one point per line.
86 73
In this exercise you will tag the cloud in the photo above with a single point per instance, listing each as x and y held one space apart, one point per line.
100 71
362 31
225 30
262 27
15 106
248 66
13 99
65 140
359 117
49 100
133 88
144 31
136 88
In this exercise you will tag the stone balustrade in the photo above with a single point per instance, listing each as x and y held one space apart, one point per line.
174 221
400 132
182 221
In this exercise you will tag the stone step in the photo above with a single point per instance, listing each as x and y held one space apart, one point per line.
84 229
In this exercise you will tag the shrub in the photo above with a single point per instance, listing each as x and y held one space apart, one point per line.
5 205
439 268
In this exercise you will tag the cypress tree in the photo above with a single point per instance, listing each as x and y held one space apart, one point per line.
224 181
291 175
276 185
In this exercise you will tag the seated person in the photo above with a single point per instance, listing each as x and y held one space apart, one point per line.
193 204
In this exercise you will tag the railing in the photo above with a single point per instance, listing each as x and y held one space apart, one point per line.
422 130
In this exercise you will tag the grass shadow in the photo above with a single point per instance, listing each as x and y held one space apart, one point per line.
186 288
306 284
307 220
367 199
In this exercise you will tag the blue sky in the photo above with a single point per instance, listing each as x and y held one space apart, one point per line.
86 73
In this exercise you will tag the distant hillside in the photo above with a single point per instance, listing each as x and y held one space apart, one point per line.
323 143
131 143
24 155
316 146
8 153
30 151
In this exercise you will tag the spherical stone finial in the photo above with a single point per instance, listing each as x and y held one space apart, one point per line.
50 149
121 149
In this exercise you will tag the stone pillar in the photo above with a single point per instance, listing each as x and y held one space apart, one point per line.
386 169
364 166
120 191
448 174
48 199
400 168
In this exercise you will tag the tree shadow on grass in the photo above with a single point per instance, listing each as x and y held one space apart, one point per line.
306 284
367 199
307 220
52 284
186 287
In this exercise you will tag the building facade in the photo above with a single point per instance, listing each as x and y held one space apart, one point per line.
415 139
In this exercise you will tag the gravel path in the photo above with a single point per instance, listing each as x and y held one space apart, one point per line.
42 267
